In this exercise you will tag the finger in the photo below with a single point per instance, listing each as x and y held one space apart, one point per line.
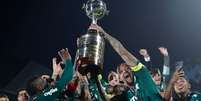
67 49
54 60
181 71
181 75
161 49
141 50
92 25
67 52
178 69
60 53
60 63
62 50
95 27
95 24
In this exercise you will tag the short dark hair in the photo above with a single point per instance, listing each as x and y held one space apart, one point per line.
118 67
155 71
31 85
3 96
21 89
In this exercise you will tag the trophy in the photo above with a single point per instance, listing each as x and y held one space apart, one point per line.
95 10
91 45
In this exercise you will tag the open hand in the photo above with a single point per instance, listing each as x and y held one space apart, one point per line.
144 52
64 54
56 67
178 73
163 51
98 28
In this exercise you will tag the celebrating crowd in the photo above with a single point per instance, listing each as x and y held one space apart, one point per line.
133 80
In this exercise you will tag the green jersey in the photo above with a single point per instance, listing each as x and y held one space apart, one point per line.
132 95
93 88
145 86
51 93
195 97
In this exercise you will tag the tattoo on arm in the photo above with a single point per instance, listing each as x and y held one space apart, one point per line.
121 50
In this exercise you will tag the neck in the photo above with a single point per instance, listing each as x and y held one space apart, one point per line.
184 94
130 85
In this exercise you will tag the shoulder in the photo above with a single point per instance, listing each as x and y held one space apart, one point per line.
195 95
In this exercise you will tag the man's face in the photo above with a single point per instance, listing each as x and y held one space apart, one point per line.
123 67
113 80
41 83
157 78
23 95
125 74
181 85
128 77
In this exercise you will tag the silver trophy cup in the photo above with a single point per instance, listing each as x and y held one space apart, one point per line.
91 45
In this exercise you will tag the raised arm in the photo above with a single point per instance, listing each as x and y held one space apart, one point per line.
168 92
118 47
57 70
166 59
146 57
68 71
51 93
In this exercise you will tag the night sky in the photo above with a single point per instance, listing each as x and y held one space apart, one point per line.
34 30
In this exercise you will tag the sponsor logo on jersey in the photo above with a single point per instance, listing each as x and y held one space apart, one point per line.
51 91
